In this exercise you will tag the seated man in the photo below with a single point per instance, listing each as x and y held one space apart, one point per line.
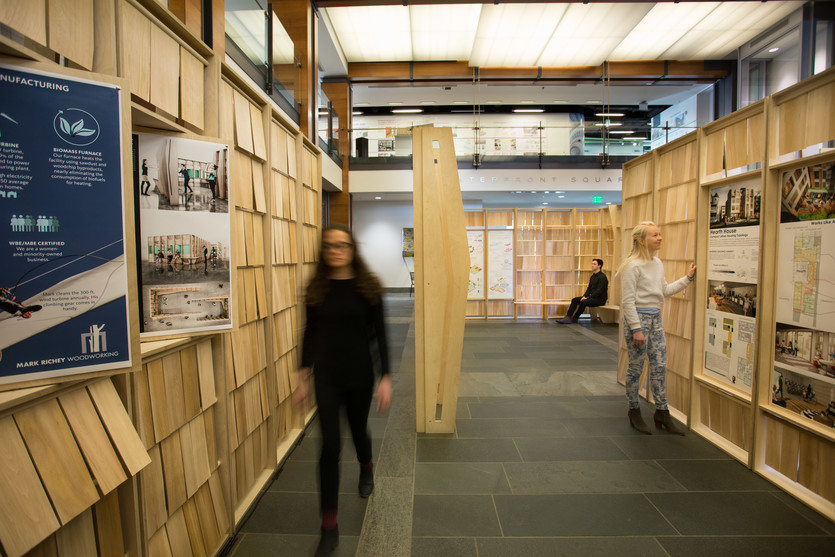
596 294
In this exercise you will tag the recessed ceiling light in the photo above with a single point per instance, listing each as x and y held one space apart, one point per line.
518 192
624 132
525 102
524 110
460 102
378 197
406 110
608 203
775 49
546 192
533 191
609 114
560 196
356 113
545 203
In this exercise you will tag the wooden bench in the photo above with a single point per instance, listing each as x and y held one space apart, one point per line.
606 314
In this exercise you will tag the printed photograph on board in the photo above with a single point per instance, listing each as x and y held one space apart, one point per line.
808 193
732 297
185 235
64 291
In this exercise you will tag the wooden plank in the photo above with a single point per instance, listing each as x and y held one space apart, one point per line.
143 413
158 544
226 113
243 188
98 451
206 515
250 301
736 145
26 515
135 48
200 450
259 193
27 17
790 448
808 474
159 400
820 118
756 138
178 534
71 30
791 127
190 482
205 369
57 458
714 152
191 382
279 148
191 88
243 122
291 156
211 444
826 461
260 294
78 538
115 418
195 533
174 471
219 504
153 491
259 144
172 375
165 64
47 548
106 514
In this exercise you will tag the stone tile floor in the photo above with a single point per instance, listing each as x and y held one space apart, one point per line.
543 463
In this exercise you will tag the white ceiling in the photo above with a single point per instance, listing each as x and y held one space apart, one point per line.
538 34
581 199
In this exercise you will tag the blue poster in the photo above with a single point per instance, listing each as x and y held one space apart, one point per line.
63 277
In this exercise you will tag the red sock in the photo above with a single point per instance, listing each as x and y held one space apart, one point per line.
328 519
367 466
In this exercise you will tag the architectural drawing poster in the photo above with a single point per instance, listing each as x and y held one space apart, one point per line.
475 284
500 264
63 277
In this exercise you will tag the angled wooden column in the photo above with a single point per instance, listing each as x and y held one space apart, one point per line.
341 96
441 267
299 20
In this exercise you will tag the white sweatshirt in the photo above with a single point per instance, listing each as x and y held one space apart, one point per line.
643 286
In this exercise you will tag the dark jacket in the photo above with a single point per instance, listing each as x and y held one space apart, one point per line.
598 287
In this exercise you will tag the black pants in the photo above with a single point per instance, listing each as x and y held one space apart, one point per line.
331 396
578 306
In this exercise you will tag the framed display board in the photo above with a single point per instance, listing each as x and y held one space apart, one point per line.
64 272
184 238
475 283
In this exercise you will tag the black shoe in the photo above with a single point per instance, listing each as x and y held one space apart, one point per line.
637 421
663 420
328 542
366 485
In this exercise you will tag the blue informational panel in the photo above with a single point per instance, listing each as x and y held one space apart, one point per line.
63 275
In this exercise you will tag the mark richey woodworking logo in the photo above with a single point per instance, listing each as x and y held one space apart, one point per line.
95 340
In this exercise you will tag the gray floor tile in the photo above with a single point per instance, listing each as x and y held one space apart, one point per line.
809 513
386 531
625 476
527 407
662 445
446 547
449 478
455 516
579 515
301 476
281 545
569 547
495 428
715 475
549 449
761 546
298 513
751 513
397 455
466 450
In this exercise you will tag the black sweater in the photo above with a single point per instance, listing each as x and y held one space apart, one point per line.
341 334
598 287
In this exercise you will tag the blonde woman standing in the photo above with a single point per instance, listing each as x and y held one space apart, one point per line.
643 289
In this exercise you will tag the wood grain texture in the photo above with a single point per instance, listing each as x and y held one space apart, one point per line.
226 113
143 414
205 368
106 514
174 471
258 191
27 17
165 64
78 538
259 143
172 374
791 126
178 534
135 51
440 278
279 148
191 88
153 492
117 422
243 123
206 514
26 515
158 545
71 30
195 532
92 438
222 510
820 124
56 456
159 400
191 381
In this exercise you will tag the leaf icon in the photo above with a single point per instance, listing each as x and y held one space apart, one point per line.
78 126
65 126
85 132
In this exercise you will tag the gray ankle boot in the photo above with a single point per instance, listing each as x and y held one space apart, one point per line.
637 421
664 420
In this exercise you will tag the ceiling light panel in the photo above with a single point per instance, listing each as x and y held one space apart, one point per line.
588 33
661 28
443 32
514 34
727 28
373 34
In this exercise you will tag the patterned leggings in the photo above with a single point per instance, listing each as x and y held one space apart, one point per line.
655 349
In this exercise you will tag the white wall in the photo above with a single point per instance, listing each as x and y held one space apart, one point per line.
378 230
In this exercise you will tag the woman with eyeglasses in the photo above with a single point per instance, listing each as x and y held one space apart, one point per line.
344 330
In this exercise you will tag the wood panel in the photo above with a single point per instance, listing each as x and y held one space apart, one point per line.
172 464
26 515
191 382
178 534
243 123
259 143
118 424
109 525
56 456
135 48
78 538
205 367
71 30
92 438
27 17
820 123
165 64
153 492
191 88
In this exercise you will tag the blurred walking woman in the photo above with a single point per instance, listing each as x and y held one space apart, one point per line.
344 329
643 289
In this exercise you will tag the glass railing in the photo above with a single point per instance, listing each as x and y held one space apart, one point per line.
251 26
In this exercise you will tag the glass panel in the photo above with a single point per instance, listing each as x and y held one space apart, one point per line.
286 71
246 28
